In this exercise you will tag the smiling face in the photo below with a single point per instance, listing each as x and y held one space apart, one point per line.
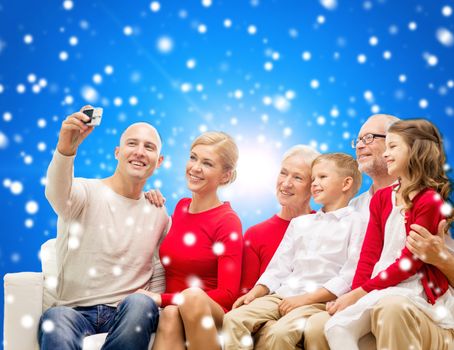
204 170
138 153
396 155
327 182
370 157
293 183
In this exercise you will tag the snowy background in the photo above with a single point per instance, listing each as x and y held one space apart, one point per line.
270 73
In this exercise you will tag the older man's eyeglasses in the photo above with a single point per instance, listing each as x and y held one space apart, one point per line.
366 139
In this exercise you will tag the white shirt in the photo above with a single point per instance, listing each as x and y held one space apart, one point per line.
318 250
362 203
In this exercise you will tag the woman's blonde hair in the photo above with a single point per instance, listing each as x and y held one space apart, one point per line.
226 148
426 159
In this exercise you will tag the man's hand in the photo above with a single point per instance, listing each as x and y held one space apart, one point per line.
155 296
155 197
345 300
428 247
73 131
290 303
258 291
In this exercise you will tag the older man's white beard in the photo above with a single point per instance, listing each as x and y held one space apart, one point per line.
374 168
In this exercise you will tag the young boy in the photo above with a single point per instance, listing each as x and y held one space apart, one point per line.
314 264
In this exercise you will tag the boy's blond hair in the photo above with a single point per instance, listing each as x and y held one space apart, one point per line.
346 166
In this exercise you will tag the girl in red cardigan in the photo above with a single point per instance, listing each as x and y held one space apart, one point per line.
414 154
202 253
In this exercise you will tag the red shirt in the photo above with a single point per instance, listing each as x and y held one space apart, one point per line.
426 211
260 243
203 250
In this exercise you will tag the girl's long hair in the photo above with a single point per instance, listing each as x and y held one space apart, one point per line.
426 159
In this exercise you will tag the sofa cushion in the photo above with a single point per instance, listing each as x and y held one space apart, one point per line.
49 268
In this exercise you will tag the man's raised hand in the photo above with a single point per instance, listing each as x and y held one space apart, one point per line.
73 131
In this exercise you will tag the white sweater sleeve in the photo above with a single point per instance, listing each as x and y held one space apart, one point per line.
65 194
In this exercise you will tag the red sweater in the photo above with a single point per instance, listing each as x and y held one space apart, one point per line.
203 250
260 243
425 212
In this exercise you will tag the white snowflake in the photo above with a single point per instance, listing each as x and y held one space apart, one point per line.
423 103
48 326
315 84
446 11
16 187
155 6
306 55
362 58
189 239
202 28
164 44
7 116
246 341
28 39
27 321
218 248
446 209
373 40
252 29
165 260
68 5
127 30
63 56
191 63
445 37
3 140
405 264
329 4
31 207
207 322
178 299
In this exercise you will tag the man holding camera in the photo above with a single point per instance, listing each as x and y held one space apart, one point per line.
107 235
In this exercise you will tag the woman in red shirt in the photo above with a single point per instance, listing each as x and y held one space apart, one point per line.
293 192
202 252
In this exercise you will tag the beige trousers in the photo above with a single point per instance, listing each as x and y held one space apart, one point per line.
398 324
262 319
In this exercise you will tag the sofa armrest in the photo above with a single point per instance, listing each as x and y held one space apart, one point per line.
23 308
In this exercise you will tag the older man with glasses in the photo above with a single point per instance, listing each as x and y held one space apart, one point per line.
396 323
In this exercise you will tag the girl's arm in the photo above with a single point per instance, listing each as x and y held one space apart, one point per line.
427 213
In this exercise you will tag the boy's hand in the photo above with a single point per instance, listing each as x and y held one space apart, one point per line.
155 197
290 303
345 300
73 131
258 291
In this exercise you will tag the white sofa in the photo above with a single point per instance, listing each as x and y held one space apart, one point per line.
28 294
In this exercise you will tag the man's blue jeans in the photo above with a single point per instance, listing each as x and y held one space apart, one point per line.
130 325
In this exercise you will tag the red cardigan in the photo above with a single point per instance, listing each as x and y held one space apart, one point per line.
426 211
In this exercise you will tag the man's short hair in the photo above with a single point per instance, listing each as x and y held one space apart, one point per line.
346 165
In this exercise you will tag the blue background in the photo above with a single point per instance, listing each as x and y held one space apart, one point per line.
162 67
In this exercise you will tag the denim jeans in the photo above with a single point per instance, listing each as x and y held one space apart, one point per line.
129 325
